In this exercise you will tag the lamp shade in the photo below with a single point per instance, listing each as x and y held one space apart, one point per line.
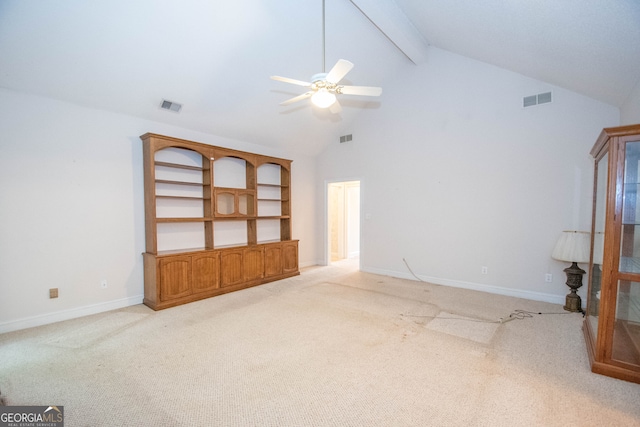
572 246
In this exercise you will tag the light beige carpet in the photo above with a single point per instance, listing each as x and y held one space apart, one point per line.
331 347
479 330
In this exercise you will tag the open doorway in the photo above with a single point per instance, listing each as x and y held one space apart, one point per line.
343 204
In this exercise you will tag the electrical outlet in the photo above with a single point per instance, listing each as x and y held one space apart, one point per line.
103 284
485 270
548 277
53 293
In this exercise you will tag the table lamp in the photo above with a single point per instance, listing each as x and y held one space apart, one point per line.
573 247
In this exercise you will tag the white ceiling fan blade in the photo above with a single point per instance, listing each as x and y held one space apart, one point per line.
292 81
339 70
361 90
297 98
335 108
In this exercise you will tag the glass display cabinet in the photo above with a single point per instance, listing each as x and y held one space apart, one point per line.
612 319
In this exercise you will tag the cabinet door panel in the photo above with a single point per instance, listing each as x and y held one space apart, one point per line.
272 260
290 257
175 277
205 273
231 268
253 264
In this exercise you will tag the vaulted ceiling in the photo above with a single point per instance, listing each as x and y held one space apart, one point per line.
215 57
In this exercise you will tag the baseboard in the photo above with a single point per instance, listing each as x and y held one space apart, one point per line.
58 316
517 293
309 264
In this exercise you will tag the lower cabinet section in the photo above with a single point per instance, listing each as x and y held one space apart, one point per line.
281 259
205 272
290 257
272 261
171 280
174 276
253 263
231 271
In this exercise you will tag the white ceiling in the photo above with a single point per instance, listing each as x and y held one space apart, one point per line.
216 57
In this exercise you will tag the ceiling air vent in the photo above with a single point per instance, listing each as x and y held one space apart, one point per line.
346 138
171 106
541 98
529 101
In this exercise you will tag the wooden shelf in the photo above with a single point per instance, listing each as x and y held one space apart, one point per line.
187 219
181 251
181 197
233 217
179 166
266 242
272 185
234 189
249 217
166 181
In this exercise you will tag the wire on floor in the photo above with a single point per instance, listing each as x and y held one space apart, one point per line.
466 319
515 315
411 271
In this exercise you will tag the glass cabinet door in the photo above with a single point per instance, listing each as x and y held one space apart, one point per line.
595 280
626 325
629 248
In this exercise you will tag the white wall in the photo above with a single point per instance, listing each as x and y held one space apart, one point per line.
456 175
630 111
72 209
352 196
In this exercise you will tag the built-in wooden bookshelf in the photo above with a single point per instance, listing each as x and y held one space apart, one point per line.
216 220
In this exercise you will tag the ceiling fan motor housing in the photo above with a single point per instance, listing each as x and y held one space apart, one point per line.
320 82
318 77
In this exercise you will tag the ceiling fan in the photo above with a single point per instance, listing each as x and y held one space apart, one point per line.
324 87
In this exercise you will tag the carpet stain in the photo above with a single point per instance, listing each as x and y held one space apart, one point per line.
478 330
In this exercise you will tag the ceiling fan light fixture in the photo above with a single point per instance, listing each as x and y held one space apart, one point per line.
324 86
323 98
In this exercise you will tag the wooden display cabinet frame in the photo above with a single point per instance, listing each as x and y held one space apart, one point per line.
612 340
177 276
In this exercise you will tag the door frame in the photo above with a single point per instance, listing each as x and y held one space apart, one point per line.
326 218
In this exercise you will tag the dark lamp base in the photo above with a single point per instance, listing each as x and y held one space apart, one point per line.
573 302
574 281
